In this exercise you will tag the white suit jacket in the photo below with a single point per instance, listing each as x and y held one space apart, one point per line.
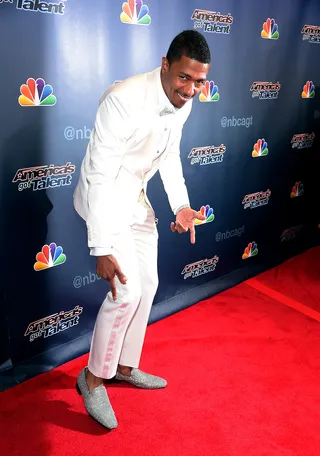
133 118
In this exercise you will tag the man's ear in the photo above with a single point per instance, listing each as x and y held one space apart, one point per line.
165 65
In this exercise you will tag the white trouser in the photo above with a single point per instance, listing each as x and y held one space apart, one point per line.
121 325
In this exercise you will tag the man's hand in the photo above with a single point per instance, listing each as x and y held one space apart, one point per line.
108 268
185 221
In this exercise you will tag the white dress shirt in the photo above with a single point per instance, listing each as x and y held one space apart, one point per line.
136 133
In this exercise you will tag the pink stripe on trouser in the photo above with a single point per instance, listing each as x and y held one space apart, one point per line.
108 336
120 326
113 335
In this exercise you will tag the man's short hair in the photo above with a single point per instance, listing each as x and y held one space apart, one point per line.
189 43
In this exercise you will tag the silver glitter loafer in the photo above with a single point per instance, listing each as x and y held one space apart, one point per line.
96 402
142 380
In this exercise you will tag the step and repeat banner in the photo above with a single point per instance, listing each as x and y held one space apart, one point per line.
250 154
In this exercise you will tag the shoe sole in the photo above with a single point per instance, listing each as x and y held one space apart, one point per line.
78 389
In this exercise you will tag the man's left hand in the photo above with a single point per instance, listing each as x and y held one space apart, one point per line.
185 221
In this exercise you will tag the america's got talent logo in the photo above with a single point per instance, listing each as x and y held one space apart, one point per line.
207 155
265 90
212 22
258 199
53 324
44 177
199 268
311 33
303 140
41 6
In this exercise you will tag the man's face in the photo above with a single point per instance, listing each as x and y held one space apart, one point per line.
183 79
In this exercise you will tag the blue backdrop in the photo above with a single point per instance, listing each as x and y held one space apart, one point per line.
250 153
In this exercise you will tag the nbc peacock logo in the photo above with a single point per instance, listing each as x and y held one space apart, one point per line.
50 256
135 12
36 93
308 90
250 251
260 149
209 92
207 212
270 30
297 190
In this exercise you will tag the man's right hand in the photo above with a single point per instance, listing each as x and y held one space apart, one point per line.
108 268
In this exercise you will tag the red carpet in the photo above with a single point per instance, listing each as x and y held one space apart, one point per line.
243 374
298 278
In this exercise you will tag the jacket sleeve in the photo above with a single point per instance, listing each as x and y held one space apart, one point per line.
172 177
106 149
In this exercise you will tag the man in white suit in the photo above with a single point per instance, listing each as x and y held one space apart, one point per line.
137 132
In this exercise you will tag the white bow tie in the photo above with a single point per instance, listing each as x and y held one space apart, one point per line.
165 111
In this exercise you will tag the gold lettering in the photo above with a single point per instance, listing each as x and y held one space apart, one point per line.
211 16
311 30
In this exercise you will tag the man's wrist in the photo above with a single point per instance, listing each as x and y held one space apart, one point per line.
184 206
